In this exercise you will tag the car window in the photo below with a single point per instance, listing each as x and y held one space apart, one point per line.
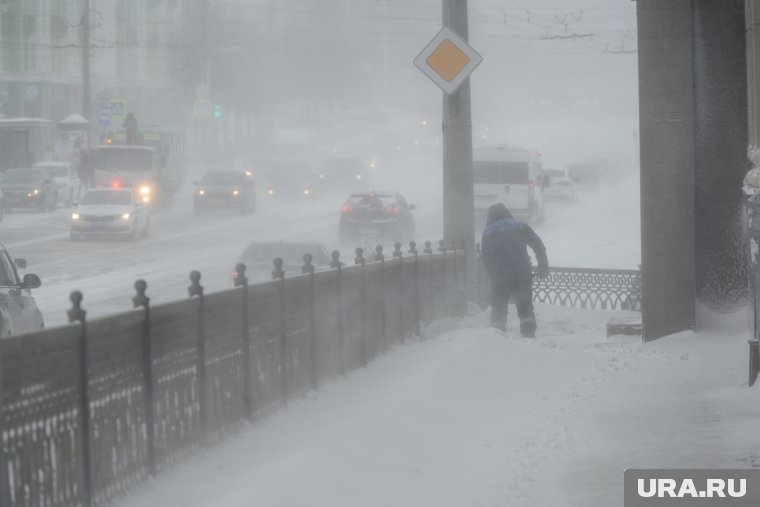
56 171
7 273
371 201
401 201
115 198
494 172
21 176
222 178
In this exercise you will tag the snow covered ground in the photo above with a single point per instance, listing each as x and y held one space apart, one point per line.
469 416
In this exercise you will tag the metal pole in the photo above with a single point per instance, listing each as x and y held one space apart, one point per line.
143 301
458 207
85 25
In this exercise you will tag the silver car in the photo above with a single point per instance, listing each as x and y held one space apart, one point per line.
18 310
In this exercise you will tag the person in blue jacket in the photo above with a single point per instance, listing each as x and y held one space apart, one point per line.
505 256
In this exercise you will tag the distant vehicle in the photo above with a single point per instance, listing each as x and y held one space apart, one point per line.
137 167
376 214
18 309
28 188
343 174
588 176
64 175
259 258
287 180
558 183
224 190
508 175
171 147
110 212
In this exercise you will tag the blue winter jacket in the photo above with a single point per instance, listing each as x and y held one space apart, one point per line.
504 249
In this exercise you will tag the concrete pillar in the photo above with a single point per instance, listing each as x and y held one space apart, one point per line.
720 99
692 89
666 111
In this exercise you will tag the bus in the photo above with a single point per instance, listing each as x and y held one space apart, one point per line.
509 175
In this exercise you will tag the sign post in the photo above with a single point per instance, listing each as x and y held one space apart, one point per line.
448 61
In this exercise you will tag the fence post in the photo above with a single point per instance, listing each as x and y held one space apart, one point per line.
400 285
380 257
196 290
359 260
279 274
308 268
430 286
142 301
241 280
77 314
335 263
754 361
416 273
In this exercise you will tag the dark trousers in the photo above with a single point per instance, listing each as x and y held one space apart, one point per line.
520 288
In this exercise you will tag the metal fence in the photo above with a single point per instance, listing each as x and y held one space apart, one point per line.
752 221
92 409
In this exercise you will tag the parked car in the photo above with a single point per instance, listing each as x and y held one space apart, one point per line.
224 190
19 313
28 188
559 183
65 178
376 214
259 258
110 212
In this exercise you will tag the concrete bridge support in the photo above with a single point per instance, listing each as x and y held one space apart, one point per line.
693 115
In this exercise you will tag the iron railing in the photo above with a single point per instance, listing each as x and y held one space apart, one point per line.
92 409
752 221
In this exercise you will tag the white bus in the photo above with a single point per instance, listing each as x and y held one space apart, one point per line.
509 175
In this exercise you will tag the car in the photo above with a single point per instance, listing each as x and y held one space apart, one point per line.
376 214
259 256
224 190
28 188
288 181
64 175
343 174
19 313
558 183
106 211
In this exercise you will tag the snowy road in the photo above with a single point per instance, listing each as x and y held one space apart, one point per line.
600 231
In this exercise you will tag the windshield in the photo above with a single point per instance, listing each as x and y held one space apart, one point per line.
56 171
21 176
291 253
223 178
124 159
500 172
108 197
371 201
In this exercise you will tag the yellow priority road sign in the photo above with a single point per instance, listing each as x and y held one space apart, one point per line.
448 60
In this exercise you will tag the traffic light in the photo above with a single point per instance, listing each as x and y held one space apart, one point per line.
217 110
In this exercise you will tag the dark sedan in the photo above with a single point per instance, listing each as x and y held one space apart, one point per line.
28 188
224 190
376 214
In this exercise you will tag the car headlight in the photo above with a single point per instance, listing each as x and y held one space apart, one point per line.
306 191
236 192
270 192
75 215
144 190
201 192
146 199
126 216
249 173
358 176
33 193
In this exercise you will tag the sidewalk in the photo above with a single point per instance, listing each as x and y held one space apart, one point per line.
469 416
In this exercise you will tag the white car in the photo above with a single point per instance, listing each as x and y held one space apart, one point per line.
65 178
110 212
559 183
19 313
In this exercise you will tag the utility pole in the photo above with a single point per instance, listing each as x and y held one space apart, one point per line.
458 207
85 30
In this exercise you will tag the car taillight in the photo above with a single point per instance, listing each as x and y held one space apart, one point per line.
391 211
346 209
531 191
